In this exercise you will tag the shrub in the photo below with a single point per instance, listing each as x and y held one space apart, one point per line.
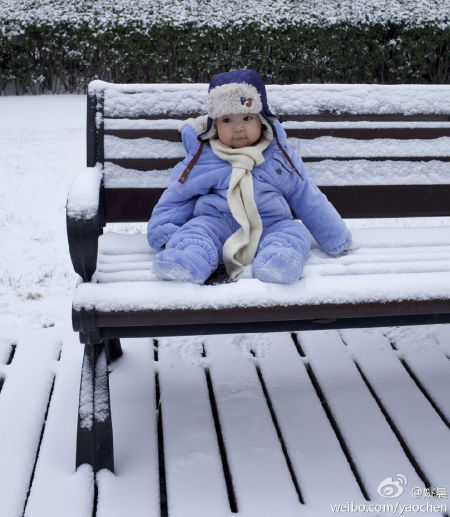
62 45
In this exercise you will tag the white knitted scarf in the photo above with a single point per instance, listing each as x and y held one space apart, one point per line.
240 248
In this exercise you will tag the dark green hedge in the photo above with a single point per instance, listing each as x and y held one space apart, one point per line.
60 57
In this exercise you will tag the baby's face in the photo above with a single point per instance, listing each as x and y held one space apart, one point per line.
239 130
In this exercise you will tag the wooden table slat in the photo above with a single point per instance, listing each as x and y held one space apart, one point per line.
365 432
423 432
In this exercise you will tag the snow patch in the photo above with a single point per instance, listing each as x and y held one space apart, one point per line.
86 396
101 394
83 199
137 100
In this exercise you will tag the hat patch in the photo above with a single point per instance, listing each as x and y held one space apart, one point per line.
247 101
233 98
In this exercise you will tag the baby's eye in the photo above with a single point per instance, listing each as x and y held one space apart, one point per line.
227 120
248 117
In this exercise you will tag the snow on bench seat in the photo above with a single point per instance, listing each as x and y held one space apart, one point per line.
388 264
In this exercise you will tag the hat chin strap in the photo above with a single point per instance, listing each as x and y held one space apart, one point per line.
269 131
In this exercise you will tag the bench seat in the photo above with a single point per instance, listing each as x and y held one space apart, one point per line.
395 269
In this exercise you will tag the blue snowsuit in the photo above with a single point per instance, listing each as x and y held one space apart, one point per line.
192 220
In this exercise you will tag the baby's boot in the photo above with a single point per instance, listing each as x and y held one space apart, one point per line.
281 265
182 265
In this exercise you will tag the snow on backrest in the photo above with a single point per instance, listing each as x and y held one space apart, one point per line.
142 144
179 99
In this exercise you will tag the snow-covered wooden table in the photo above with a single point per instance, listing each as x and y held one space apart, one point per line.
248 425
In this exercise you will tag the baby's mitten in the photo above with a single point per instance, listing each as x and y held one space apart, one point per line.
158 237
342 248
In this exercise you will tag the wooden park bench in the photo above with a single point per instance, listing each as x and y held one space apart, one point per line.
376 152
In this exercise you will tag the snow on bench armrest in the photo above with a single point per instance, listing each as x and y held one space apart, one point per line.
83 198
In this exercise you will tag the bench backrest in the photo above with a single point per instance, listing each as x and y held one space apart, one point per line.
375 151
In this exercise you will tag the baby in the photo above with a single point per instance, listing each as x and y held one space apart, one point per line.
232 199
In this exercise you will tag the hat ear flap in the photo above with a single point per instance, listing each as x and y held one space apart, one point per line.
210 132
268 128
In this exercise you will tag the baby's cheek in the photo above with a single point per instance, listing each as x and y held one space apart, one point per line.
255 135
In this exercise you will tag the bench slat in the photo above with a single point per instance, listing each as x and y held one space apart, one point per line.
278 318
133 409
136 205
327 116
55 485
188 426
147 164
324 116
173 135
389 200
310 159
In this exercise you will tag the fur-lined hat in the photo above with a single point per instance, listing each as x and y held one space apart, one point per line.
238 91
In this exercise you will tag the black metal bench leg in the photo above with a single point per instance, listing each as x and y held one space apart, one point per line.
95 436
113 349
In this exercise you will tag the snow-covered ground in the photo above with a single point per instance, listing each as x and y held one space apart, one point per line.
42 146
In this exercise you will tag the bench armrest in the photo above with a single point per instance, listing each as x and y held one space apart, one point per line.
85 220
